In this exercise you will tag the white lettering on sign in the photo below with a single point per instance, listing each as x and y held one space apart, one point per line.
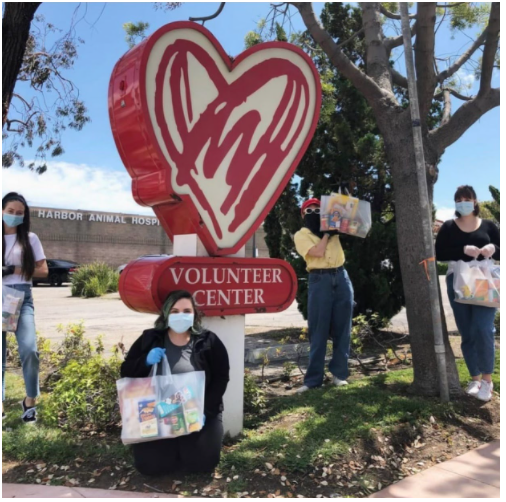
218 298
102 218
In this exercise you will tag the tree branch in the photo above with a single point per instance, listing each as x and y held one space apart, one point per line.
360 80
212 16
424 55
490 50
377 61
391 15
447 108
446 74
463 119
393 42
355 35
440 95
398 78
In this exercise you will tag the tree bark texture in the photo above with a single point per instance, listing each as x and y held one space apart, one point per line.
16 24
398 144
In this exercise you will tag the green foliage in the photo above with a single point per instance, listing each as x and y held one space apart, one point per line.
494 206
466 15
288 369
94 280
442 268
38 123
497 323
254 396
364 328
43 347
85 395
135 32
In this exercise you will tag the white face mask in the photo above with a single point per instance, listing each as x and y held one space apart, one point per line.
465 207
180 322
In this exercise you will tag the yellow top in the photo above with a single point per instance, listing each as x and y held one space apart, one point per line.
334 255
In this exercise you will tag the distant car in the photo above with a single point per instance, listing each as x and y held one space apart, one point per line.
60 271
122 267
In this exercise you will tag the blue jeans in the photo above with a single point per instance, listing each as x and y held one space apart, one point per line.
476 327
27 344
330 311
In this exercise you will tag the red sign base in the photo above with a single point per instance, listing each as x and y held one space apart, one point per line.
220 286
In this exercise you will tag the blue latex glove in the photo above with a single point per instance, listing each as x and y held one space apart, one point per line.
155 356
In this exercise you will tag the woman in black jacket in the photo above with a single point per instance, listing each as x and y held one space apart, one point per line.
179 336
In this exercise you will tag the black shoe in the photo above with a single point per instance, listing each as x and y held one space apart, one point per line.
29 415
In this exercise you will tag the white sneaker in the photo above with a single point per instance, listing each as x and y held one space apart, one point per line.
485 392
339 383
473 388
301 389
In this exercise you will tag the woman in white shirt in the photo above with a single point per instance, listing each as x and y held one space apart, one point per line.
22 259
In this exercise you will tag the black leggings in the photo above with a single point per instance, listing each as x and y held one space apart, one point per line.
197 452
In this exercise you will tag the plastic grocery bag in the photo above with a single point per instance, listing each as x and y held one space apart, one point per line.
477 283
161 406
346 214
12 301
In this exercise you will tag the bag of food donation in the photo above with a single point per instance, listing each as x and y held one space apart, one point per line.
161 406
12 301
346 214
477 283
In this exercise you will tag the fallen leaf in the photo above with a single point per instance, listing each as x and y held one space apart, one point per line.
235 477
324 483
269 466
38 480
92 480
31 471
217 476
113 487
277 492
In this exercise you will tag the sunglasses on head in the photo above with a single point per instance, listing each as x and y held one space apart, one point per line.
310 211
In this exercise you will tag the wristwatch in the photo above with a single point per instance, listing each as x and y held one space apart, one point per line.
7 270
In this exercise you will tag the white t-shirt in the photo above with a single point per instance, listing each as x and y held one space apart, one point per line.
13 256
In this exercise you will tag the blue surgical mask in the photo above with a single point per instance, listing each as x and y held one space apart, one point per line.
180 322
12 220
465 207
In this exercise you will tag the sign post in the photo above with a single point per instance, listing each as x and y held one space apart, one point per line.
210 142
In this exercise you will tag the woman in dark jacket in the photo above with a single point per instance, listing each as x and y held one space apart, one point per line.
179 336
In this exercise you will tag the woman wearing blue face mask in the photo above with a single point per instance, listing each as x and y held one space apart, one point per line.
179 336
467 238
22 259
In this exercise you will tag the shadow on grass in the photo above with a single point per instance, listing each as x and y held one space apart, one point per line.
324 424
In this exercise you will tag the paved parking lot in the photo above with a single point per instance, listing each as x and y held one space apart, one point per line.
110 317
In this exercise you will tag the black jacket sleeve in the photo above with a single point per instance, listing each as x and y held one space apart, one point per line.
135 365
445 247
495 239
220 375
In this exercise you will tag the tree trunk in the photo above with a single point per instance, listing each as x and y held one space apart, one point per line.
398 139
16 24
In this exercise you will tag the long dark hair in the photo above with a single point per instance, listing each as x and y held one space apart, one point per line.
172 299
22 231
467 192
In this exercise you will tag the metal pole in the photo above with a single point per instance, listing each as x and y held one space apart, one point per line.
426 211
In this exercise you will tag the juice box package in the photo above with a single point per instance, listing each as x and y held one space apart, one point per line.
147 419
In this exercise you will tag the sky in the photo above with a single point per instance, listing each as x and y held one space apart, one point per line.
90 174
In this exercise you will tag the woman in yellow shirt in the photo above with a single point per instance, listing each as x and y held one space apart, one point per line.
330 298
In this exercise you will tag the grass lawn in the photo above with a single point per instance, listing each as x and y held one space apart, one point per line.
350 441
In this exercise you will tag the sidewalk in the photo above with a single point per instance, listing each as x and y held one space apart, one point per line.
61 492
475 474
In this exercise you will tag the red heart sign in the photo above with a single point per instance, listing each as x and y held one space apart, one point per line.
211 142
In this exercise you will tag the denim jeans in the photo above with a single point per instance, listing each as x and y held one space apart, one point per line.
27 344
476 327
330 310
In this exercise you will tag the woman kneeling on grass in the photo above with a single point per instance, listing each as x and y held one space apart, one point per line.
179 336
